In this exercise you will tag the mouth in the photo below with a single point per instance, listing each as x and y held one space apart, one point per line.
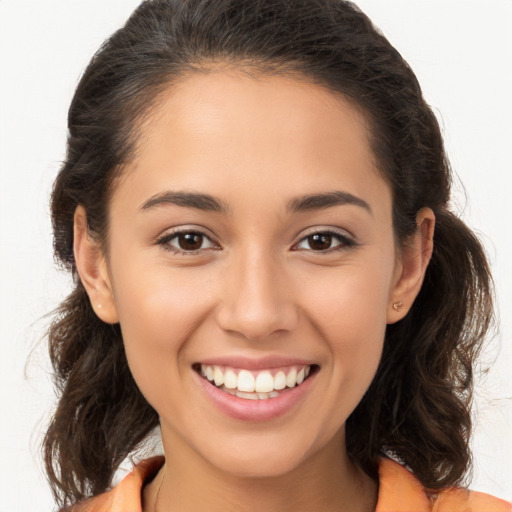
265 384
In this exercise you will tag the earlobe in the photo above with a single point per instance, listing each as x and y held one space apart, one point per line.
411 269
92 268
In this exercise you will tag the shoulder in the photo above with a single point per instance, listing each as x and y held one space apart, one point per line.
401 491
470 501
126 496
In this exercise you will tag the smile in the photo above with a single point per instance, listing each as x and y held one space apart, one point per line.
254 385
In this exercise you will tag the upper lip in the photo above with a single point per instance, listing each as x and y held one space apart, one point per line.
260 363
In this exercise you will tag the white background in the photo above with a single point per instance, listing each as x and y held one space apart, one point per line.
462 54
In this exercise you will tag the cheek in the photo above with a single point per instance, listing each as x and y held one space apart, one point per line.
157 314
351 300
155 299
350 314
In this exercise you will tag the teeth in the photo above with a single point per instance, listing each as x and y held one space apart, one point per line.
230 379
264 382
254 385
218 376
279 380
245 381
291 378
248 396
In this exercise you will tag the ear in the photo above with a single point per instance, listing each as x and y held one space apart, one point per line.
411 266
92 269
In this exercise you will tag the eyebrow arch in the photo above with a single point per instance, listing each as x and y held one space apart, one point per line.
203 202
326 200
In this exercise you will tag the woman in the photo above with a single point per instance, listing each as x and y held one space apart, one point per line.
254 204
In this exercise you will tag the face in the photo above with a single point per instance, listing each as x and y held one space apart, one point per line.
251 246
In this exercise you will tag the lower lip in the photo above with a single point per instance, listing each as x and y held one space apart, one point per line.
256 410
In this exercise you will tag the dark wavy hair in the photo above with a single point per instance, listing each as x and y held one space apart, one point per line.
417 409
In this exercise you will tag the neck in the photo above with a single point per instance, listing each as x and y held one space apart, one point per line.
327 481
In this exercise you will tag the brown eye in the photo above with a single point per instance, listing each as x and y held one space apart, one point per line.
320 241
325 241
186 242
190 241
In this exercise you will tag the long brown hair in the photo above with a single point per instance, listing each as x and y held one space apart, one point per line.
418 407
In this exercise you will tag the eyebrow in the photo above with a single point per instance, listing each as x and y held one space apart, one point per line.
203 202
208 203
327 200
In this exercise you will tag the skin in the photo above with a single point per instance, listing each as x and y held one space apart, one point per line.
259 288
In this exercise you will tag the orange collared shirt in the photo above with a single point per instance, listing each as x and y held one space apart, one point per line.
399 491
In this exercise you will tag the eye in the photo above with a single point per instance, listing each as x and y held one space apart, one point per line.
186 242
325 241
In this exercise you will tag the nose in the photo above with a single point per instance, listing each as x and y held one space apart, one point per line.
257 301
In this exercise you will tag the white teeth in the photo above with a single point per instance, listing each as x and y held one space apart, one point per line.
264 382
245 381
291 378
248 396
230 379
259 385
279 380
218 376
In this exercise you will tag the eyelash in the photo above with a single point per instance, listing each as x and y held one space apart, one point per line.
344 242
165 240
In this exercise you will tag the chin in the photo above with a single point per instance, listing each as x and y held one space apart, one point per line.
263 457
259 466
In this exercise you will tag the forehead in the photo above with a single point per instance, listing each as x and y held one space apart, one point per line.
230 130
220 100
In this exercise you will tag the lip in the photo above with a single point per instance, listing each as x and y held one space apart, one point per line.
252 364
254 410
